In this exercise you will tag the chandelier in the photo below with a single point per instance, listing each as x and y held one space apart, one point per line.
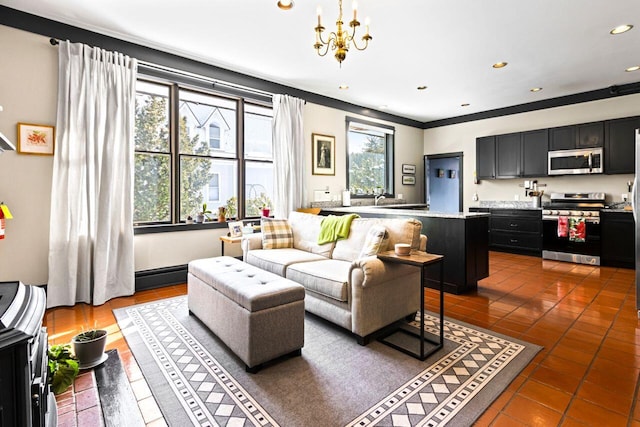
341 39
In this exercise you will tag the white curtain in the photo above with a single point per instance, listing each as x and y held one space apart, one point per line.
288 154
91 255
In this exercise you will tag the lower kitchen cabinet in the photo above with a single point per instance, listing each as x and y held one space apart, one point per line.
618 239
514 230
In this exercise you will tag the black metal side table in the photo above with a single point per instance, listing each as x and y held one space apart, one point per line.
419 259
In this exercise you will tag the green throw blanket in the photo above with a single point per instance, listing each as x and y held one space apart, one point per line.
334 227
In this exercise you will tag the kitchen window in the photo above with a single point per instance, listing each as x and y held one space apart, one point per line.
191 151
369 158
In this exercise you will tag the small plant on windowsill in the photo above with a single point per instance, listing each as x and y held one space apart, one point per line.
63 367
231 207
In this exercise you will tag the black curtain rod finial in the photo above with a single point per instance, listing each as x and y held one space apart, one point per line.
53 42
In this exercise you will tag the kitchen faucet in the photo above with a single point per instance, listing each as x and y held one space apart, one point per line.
377 199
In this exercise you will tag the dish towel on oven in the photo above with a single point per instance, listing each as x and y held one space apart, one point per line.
563 226
577 229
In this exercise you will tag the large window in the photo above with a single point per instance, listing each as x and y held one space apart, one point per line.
369 158
190 152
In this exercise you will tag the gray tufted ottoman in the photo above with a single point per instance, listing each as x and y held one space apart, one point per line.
257 314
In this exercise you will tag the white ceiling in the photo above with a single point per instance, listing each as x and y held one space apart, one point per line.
563 46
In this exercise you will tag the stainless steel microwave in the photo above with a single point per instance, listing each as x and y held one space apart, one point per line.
576 162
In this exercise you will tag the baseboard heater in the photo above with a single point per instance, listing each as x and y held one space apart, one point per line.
160 277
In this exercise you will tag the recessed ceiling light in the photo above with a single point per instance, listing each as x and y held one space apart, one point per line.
285 4
343 87
621 29
421 87
535 89
500 64
634 68
465 105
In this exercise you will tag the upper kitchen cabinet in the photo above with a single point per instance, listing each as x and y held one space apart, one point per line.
562 138
508 156
586 135
486 157
590 135
535 145
620 145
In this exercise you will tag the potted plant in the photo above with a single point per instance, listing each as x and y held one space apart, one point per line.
189 219
231 207
63 367
88 347
204 212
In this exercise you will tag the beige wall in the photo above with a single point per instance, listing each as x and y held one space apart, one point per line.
329 121
462 137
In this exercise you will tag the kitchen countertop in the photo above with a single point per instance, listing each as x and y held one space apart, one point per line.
419 210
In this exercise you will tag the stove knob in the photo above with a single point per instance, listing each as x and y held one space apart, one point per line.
586 213
576 213
595 213
564 213
554 212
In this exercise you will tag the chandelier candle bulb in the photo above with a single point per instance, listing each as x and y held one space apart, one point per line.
355 10
319 11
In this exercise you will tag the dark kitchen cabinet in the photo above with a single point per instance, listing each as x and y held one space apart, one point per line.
562 138
620 145
585 135
590 135
486 157
535 146
508 156
516 231
618 239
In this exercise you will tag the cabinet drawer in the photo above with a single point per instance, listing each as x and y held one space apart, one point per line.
525 225
516 240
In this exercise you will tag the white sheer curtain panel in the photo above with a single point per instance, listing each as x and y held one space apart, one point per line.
288 153
91 256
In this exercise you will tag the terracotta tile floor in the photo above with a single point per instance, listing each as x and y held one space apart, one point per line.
584 316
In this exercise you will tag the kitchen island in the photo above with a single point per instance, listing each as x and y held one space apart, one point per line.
461 237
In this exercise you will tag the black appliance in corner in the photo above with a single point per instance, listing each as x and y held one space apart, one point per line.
25 395
578 206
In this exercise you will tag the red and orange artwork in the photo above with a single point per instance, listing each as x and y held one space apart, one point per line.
37 137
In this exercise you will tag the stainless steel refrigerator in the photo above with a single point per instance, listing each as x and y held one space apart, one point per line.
634 203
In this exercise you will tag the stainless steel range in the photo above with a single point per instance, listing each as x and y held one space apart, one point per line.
571 227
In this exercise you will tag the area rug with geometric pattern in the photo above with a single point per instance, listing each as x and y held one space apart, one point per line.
197 380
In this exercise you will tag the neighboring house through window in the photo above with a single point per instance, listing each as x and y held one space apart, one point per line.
201 156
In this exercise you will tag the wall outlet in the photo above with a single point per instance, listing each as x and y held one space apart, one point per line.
475 197
516 197
625 197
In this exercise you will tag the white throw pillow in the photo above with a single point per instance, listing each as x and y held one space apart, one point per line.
376 241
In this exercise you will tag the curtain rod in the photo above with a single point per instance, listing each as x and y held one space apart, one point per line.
215 83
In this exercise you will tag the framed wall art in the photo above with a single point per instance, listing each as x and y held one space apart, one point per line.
410 169
323 148
36 139
408 180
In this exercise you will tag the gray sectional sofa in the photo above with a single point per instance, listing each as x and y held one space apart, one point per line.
361 294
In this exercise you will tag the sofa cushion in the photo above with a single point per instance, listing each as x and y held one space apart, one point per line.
276 233
401 230
306 228
376 241
277 260
328 277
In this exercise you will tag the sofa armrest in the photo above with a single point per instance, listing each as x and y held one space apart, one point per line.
371 271
250 242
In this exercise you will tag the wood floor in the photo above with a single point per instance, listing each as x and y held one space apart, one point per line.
584 316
